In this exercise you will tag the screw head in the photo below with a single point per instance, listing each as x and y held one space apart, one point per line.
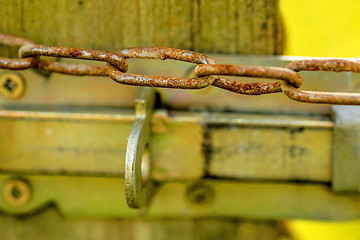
12 86
200 193
16 192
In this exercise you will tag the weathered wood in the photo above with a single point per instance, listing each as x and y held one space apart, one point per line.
229 26
50 225
286 153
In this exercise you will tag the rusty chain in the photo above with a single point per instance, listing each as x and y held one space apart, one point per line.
207 72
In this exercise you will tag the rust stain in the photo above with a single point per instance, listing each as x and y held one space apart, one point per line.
78 53
159 81
329 65
72 69
247 88
288 80
287 75
250 71
163 53
16 64
13 41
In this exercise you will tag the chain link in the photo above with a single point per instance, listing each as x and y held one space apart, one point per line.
207 72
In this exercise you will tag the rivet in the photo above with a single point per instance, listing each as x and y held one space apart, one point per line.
12 86
17 192
200 193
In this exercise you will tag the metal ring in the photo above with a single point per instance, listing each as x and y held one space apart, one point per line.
289 76
138 186
330 65
163 81
16 64
166 53
78 53
72 69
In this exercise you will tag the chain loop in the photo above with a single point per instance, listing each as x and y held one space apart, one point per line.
16 64
163 53
163 81
78 53
329 65
289 76
206 72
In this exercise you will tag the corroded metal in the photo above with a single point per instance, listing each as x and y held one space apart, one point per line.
166 53
13 41
247 88
30 50
286 75
116 69
72 69
16 64
163 81
160 81
329 65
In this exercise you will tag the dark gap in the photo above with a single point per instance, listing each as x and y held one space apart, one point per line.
207 149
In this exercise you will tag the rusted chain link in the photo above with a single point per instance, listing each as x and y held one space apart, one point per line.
329 65
163 81
16 64
30 50
286 75
207 72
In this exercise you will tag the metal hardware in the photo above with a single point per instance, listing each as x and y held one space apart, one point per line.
202 138
177 144
12 86
117 67
286 75
55 90
330 65
16 192
138 185
248 200
184 146
346 160
163 81
16 64
32 50
200 193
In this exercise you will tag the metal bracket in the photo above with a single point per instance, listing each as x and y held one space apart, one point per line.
346 162
138 187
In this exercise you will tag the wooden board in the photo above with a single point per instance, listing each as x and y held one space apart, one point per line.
229 26
50 225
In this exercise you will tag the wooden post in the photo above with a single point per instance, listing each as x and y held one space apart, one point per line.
224 26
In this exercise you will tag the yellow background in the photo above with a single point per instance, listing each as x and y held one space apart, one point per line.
322 28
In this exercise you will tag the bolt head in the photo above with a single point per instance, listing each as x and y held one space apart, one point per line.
12 86
16 192
200 194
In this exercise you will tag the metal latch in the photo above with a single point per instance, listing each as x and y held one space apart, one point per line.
138 185
223 145
346 161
